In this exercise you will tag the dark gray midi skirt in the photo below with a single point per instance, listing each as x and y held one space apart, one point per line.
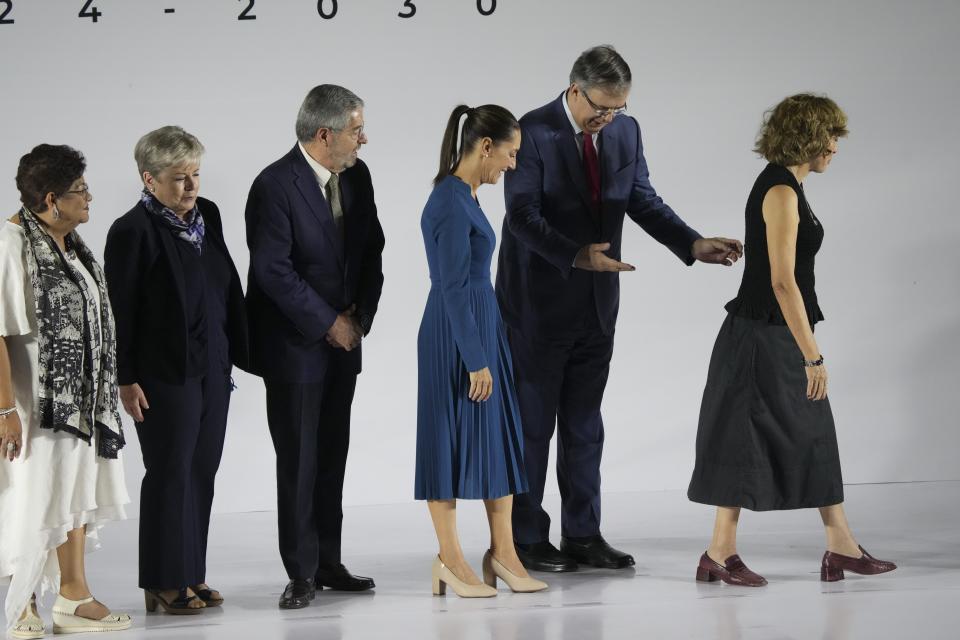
761 444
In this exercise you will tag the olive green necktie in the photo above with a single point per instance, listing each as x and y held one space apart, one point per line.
333 199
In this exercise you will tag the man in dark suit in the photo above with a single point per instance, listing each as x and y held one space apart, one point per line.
314 285
579 170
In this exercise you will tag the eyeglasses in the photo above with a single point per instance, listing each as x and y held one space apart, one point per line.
356 134
603 112
84 191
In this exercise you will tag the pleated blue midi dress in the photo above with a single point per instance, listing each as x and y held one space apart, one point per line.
465 449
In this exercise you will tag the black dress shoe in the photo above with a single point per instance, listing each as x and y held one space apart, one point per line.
595 551
298 594
543 556
340 579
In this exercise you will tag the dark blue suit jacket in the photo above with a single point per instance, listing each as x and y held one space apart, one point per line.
303 273
548 220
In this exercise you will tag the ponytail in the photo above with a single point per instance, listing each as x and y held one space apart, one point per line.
449 154
487 121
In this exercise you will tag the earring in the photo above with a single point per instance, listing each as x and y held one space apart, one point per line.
56 213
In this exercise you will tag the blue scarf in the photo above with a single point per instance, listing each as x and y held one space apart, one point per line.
191 229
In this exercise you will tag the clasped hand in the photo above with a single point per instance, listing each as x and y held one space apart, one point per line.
346 332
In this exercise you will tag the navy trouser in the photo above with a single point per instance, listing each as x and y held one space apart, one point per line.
310 427
181 439
560 383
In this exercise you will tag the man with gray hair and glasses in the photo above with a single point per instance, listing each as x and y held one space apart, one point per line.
579 171
314 285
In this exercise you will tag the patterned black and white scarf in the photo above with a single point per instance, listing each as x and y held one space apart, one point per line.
74 397
191 229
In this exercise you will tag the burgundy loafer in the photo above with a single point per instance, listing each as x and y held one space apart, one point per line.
732 571
834 564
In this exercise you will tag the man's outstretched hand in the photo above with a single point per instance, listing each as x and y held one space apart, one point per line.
717 250
592 258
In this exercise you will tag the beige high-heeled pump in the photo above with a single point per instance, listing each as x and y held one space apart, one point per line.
492 569
442 576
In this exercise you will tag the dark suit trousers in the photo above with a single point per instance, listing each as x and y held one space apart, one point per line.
310 427
181 439
560 382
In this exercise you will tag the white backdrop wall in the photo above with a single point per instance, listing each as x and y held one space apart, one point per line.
704 72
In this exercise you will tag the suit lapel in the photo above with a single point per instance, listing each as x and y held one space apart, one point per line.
607 167
173 259
349 216
306 183
346 199
566 143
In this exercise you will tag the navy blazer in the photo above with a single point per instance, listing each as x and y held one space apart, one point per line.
303 271
147 293
548 220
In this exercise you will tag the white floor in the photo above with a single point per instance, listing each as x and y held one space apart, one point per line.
917 525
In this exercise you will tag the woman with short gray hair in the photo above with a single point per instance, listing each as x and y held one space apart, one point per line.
181 326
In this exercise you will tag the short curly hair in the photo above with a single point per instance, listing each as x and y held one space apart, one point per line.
48 168
799 129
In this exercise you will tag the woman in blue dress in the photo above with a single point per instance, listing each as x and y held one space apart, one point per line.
469 437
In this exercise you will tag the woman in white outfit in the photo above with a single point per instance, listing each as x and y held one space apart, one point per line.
61 476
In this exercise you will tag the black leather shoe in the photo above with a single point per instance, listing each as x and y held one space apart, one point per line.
543 556
298 594
340 579
594 551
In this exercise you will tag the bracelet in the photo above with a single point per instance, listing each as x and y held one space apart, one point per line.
5 412
813 363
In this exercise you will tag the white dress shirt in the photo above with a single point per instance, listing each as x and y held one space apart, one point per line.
323 174
578 131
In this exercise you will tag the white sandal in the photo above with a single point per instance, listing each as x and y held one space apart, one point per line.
66 620
29 626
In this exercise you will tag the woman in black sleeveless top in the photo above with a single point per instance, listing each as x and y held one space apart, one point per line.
766 439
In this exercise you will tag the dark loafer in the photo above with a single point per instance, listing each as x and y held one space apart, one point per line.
594 551
833 565
298 594
339 579
732 571
543 556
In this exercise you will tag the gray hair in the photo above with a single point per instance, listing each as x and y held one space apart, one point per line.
164 148
327 106
601 67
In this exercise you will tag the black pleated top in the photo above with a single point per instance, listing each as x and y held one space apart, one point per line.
756 298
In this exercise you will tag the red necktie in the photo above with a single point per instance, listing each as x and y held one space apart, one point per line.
591 166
